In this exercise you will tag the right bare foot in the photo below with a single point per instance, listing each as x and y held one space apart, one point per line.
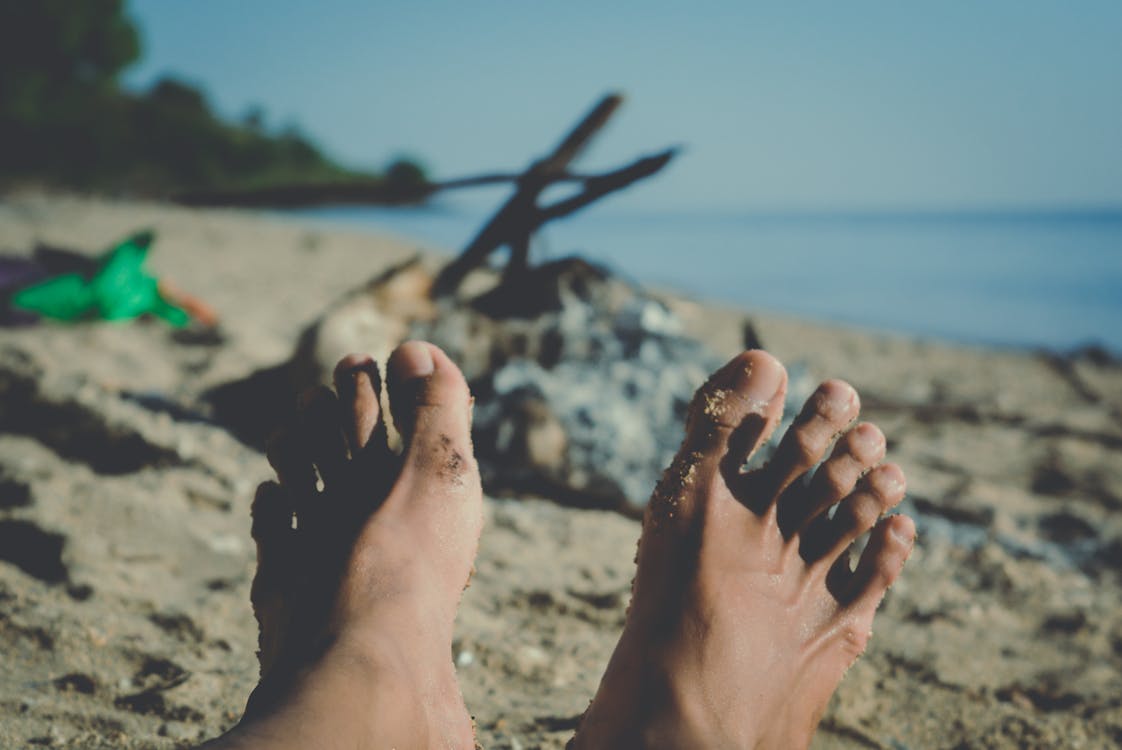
745 613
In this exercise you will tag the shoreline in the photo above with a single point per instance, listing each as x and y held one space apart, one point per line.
386 240
1015 297
138 632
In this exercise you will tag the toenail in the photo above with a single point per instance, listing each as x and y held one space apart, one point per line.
350 375
413 360
835 401
905 537
759 384
353 363
838 393
868 437
889 481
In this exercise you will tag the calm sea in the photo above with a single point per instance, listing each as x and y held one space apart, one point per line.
1045 279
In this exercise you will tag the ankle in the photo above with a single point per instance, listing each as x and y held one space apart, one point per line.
642 704
407 683
386 697
635 707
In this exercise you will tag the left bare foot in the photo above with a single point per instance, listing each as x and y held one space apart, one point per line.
358 582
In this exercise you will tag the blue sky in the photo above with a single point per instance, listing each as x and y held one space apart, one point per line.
781 106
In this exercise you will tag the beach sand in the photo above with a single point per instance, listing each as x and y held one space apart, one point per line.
126 623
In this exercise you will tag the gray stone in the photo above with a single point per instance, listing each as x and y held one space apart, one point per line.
583 401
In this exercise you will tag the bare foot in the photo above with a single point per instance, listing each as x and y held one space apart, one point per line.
745 613
358 583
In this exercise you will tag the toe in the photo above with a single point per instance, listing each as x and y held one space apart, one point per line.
738 406
731 415
359 385
878 492
826 414
291 462
409 368
889 546
855 453
272 522
320 434
272 531
431 406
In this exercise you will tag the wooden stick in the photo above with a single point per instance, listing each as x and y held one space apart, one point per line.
515 221
599 186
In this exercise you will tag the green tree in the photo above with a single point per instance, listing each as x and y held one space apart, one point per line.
406 173
58 62
56 49
64 120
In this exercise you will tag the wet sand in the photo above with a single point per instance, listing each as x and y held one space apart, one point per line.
125 557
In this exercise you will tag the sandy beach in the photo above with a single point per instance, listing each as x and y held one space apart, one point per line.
128 623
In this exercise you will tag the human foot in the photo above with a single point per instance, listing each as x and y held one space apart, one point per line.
358 583
745 613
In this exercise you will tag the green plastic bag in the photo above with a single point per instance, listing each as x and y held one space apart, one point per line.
120 289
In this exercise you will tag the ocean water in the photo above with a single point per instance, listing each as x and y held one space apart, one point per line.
1041 280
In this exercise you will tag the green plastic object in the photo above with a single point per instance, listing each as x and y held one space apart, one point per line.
120 289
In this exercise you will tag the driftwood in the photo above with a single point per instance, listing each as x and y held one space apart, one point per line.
516 221
512 226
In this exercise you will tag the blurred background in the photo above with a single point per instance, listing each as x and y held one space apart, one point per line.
950 170
943 171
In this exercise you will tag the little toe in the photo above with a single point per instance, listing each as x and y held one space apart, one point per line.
320 432
273 534
878 492
272 522
359 385
290 461
855 454
890 543
431 406
829 410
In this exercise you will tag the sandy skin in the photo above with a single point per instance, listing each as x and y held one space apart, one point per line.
745 612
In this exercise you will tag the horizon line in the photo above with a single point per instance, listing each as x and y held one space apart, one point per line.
1108 212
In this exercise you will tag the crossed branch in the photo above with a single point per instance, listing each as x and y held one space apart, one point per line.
520 217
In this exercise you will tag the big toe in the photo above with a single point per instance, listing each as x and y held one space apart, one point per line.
732 414
431 406
738 406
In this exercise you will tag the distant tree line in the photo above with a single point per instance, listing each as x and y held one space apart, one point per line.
65 121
